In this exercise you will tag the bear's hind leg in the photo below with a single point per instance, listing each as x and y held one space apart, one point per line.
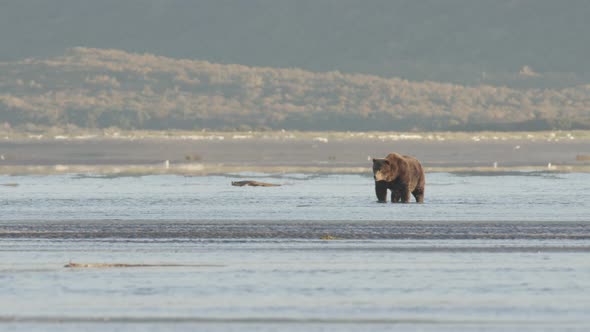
405 195
395 196
419 195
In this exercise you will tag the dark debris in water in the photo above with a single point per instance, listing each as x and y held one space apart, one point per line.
252 183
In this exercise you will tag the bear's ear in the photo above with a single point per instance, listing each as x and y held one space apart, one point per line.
386 161
374 160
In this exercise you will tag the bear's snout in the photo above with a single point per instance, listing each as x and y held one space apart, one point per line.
379 176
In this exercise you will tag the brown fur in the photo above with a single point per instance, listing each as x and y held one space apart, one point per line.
403 175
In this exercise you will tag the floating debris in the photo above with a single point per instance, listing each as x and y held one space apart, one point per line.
9 184
253 184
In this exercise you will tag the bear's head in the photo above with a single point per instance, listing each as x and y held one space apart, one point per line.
388 168
382 170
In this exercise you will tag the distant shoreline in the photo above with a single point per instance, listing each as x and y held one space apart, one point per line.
116 153
80 134
206 170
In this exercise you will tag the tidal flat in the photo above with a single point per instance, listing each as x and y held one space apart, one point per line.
486 251
209 153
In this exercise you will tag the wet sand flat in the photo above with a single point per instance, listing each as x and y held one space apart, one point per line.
300 152
145 230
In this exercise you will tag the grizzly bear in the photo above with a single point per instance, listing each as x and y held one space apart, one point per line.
400 174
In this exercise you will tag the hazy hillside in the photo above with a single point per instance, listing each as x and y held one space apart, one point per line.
461 41
104 88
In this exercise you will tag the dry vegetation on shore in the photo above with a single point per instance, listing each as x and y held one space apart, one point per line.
96 88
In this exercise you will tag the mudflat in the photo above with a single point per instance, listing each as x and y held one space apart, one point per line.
210 153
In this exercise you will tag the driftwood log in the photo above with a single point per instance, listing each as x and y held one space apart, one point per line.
253 184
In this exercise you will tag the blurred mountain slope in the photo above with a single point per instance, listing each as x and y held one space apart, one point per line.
459 41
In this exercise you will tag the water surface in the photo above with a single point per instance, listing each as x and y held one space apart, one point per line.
517 197
484 252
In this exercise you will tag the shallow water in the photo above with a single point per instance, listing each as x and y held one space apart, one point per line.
484 252
449 197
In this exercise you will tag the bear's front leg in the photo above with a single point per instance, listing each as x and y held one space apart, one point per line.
381 191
